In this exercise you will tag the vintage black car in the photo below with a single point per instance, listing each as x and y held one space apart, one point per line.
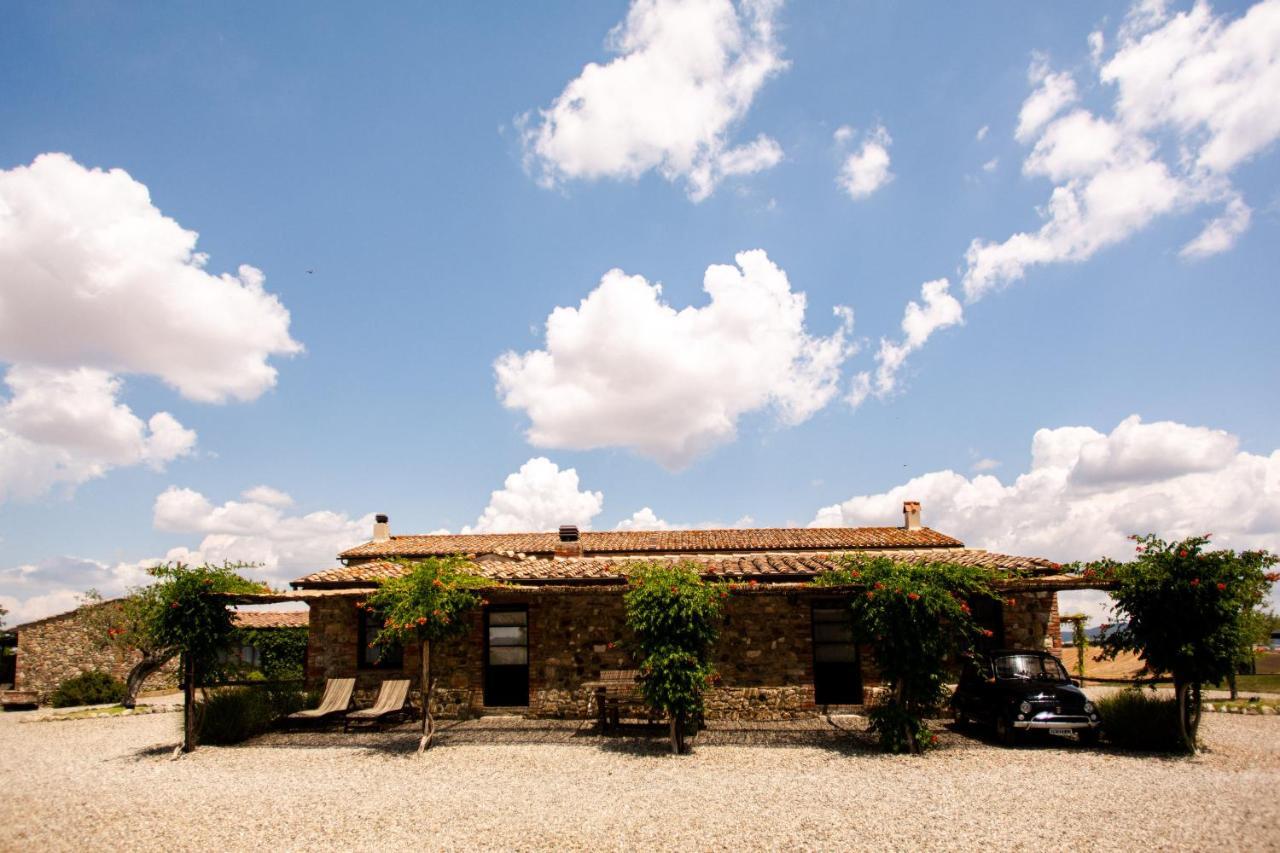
1018 691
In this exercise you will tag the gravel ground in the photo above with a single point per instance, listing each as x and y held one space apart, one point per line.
510 783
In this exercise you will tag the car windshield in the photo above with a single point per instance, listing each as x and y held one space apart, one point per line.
1030 667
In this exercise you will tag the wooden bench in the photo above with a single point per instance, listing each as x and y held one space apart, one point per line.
615 689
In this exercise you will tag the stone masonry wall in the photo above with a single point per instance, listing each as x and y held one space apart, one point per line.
55 649
1032 617
764 654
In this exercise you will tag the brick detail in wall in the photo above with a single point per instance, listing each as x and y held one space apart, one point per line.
55 649
764 653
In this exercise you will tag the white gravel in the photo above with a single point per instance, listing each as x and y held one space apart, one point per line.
509 783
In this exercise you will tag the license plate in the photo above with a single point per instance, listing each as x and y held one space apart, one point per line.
1059 731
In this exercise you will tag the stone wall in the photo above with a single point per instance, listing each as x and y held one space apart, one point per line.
1032 617
764 654
55 649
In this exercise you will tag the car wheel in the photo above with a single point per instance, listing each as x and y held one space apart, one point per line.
1005 732
1088 737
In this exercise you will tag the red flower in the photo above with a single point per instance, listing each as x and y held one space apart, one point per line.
879 585
987 632
964 606
608 645
674 590
870 595
437 582
1182 553
855 574
1195 581
914 596
1221 587
1012 602
1272 576
422 620
174 606
753 582
933 739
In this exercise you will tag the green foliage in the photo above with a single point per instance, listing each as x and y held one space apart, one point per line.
915 617
281 651
429 602
88 688
674 616
1140 720
1183 607
235 714
180 613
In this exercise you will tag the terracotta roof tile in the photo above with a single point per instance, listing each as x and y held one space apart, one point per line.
662 541
272 618
766 565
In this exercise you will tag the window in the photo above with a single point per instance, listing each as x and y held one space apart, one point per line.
370 655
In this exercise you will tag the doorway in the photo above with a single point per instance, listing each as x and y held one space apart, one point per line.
506 656
837 670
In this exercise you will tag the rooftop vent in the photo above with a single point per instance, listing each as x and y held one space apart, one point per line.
568 533
381 528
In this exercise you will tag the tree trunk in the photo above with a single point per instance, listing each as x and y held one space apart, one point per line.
428 723
899 697
1188 694
675 734
188 703
1231 683
142 670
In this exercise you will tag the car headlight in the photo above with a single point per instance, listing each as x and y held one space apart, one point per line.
1025 707
1088 707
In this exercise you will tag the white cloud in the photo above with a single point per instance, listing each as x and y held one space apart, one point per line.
625 369
642 519
982 133
1053 92
686 74
85 252
1201 87
919 322
991 165
867 169
1221 232
1086 491
985 464
65 427
538 497
267 495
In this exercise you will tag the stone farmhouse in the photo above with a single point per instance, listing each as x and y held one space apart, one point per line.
786 649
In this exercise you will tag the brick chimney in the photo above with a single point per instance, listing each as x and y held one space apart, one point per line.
381 529
569 545
911 515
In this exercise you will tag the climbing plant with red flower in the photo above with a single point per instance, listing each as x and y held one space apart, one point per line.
914 617
1182 608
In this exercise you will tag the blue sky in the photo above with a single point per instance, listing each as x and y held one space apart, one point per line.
387 169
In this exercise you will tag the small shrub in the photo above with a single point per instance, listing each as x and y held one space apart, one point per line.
88 688
235 714
1137 719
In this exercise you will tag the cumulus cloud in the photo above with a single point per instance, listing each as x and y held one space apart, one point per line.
1198 86
919 322
625 369
538 497
646 519
85 252
867 169
1086 491
686 74
65 427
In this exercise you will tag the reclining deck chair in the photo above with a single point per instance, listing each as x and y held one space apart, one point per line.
390 703
337 697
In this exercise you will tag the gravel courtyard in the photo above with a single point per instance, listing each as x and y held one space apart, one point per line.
510 783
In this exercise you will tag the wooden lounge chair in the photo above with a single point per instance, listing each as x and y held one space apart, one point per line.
336 700
390 703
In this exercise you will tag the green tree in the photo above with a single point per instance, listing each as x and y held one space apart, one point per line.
1181 608
425 605
675 616
281 651
915 617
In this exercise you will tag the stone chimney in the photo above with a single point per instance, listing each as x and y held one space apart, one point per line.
381 529
569 545
911 515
